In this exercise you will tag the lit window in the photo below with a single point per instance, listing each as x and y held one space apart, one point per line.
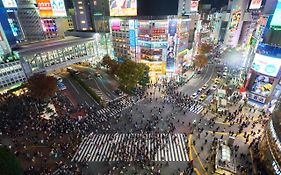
80 7
83 22
84 28
80 2
81 12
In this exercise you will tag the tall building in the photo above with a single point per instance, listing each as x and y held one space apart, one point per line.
235 22
264 75
83 20
162 43
30 20
10 22
11 70
100 15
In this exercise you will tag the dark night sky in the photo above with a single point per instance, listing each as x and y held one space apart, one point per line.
168 7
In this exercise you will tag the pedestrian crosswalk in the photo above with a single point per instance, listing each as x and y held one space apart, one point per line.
104 97
118 106
195 108
132 147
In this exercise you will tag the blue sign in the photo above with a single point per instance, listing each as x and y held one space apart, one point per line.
132 38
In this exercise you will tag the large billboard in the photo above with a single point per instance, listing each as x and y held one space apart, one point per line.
255 4
51 8
9 3
123 7
266 65
172 38
276 20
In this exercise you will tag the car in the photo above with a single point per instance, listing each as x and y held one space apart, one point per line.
208 91
199 90
202 97
217 81
97 74
205 86
118 92
214 87
224 75
194 96
59 79
61 86
225 69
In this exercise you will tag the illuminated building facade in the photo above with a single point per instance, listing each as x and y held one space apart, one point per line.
11 70
263 80
30 20
10 22
160 42
82 14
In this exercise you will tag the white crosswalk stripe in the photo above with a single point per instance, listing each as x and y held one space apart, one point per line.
194 108
132 147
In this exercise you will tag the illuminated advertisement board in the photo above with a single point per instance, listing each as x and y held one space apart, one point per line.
194 6
266 65
123 7
115 24
9 3
255 4
172 36
132 33
235 20
276 19
58 8
51 8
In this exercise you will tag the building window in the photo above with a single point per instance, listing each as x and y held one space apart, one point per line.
80 7
80 2
83 22
84 28
81 12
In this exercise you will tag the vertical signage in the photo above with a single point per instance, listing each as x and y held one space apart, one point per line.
172 36
9 3
235 20
132 33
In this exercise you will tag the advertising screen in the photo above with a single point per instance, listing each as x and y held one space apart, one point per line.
262 85
58 8
255 4
9 3
276 20
194 6
51 8
123 7
115 24
266 65
172 37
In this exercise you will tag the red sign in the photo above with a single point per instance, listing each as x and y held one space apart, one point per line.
45 8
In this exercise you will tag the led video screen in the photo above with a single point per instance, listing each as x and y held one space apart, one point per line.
123 7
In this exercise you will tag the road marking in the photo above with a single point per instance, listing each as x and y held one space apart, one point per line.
73 86
189 147
87 103
97 147
199 159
